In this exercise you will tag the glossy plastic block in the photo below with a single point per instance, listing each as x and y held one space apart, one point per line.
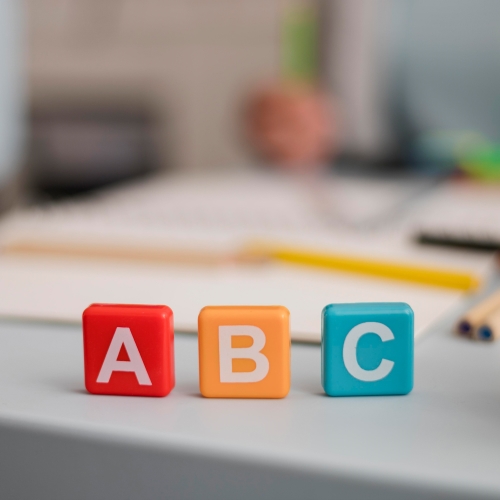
244 351
128 350
367 349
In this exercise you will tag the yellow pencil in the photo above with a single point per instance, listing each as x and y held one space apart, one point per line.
449 278
160 255
257 253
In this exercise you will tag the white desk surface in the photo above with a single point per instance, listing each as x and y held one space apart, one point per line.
441 441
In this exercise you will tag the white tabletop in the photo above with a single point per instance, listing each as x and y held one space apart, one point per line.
442 439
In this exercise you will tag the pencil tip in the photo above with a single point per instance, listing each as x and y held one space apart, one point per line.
485 333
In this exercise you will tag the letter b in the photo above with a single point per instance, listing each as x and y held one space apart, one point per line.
266 352
227 353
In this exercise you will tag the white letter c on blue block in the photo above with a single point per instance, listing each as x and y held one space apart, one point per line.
350 347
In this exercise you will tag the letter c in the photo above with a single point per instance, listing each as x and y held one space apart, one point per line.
350 347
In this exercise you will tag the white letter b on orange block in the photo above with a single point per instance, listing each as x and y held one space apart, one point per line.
227 353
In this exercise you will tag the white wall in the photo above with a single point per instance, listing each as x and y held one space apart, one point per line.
193 58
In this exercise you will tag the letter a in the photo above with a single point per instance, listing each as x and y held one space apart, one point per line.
123 337
227 353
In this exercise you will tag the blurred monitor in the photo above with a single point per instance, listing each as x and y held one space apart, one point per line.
78 145
11 97
411 73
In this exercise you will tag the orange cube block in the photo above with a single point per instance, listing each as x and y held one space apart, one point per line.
244 351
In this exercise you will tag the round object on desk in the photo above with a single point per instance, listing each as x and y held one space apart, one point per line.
291 125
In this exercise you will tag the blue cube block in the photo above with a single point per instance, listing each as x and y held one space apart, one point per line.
367 349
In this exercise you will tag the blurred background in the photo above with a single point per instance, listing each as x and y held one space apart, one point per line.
96 91
325 134
257 152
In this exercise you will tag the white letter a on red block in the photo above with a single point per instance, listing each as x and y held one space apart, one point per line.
123 337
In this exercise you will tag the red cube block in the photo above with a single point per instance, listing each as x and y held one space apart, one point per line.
128 349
